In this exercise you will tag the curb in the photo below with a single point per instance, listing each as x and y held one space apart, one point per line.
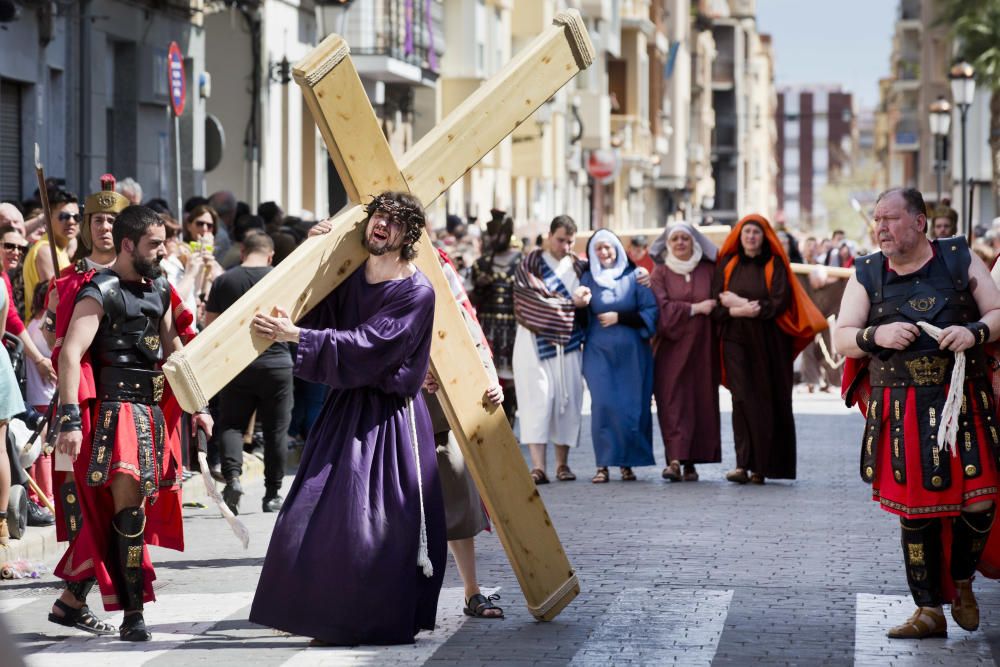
39 545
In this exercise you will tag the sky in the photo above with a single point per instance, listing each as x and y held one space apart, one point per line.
846 42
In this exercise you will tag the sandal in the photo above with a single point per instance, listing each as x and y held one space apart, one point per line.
478 604
601 477
564 474
672 472
756 478
539 476
690 474
81 619
628 475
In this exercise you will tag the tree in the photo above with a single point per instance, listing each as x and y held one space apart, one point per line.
975 27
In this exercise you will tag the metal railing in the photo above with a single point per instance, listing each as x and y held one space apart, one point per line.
406 30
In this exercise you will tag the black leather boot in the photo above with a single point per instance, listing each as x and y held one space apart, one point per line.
970 532
921 539
129 527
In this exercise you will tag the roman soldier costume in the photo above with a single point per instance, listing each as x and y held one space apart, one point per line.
903 394
130 424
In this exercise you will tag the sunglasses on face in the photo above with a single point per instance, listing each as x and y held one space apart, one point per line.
11 247
66 217
204 224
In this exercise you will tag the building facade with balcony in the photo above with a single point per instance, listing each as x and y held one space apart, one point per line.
87 82
273 150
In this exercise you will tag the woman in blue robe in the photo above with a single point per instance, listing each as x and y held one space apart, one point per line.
617 359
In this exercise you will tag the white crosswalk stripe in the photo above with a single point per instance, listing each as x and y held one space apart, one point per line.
875 614
175 619
658 626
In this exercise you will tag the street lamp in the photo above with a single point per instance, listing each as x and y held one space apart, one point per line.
963 89
940 121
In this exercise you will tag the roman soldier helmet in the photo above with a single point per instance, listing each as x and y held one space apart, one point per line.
105 201
500 228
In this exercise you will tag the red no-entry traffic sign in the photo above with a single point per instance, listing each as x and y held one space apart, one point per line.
176 79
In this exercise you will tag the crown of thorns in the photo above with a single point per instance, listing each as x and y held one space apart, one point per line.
401 212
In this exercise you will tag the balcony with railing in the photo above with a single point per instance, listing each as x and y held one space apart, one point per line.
909 12
906 135
635 16
631 134
403 42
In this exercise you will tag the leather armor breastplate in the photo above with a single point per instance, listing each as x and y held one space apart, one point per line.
937 293
129 333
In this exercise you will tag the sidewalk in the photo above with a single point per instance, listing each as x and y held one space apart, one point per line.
39 545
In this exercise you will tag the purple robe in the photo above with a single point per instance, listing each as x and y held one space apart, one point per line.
342 562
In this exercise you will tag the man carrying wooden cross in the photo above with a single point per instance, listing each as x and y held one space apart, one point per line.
358 551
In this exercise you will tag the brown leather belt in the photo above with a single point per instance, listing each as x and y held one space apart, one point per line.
130 385
924 368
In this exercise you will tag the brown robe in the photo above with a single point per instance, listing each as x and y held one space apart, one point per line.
757 358
686 373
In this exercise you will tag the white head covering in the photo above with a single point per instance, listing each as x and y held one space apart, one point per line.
659 249
602 276
703 247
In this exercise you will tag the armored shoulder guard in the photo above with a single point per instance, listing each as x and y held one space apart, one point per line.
957 257
870 271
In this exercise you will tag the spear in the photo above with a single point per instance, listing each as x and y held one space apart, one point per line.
43 194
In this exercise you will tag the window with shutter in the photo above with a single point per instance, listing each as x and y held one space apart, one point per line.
10 141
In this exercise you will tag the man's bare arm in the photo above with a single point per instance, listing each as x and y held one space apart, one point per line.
79 336
853 316
986 294
168 334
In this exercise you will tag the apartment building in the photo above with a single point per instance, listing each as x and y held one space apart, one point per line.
817 142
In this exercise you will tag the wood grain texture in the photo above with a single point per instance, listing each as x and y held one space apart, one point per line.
227 346
336 98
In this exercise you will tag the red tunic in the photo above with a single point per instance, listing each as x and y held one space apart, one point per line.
86 555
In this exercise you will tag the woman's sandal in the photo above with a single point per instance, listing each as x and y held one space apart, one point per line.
628 475
601 477
478 604
539 476
81 619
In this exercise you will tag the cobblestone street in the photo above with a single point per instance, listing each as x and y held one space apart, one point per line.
805 572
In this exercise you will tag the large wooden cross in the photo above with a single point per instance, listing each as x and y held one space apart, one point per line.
335 96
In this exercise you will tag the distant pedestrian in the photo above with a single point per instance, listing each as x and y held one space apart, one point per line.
492 294
766 319
617 359
548 362
638 252
687 371
264 387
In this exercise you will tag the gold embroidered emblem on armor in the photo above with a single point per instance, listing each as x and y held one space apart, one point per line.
149 487
936 481
936 456
107 419
970 470
158 383
968 441
895 447
96 476
70 498
100 454
152 342
72 523
965 405
869 472
868 445
915 554
898 475
927 371
896 403
993 432
105 201
933 416
134 559
924 304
